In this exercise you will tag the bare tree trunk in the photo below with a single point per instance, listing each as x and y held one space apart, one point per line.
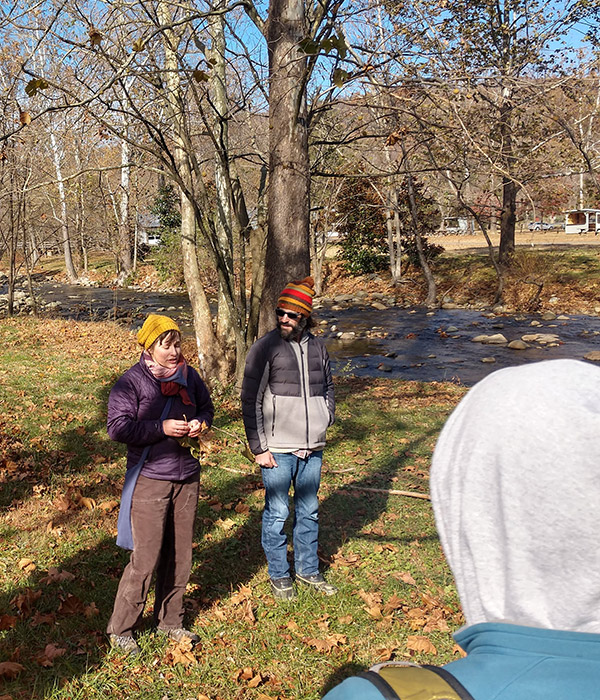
70 268
414 215
212 359
124 232
223 225
394 237
288 251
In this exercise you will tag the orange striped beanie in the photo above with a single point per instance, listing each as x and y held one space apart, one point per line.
298 296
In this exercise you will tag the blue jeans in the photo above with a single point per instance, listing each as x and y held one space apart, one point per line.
305 474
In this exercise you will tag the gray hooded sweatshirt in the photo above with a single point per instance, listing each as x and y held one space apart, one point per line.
515 485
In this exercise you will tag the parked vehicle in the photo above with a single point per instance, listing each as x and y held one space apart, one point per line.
539 226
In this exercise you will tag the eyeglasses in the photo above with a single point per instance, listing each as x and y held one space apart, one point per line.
292 315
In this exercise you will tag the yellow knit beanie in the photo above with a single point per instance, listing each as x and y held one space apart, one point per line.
154 326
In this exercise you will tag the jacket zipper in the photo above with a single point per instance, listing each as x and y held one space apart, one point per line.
304 392
273 422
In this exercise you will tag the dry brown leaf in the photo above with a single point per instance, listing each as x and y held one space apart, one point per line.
71 605
54 576
88 503
370 599
24 601
293 626
108 506
244 674
26 565
25 118
51 652
394 603
202 697
42 619
226 524
91 610
7 622
420 644
405 576
346 620
256 681
458 650
241 595
248 613
10 669
374 611
242 508
385 653
326 645
181 653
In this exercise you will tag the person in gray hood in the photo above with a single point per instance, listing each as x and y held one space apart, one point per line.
515 487
288 404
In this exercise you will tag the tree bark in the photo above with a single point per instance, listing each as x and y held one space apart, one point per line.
288 241
70 268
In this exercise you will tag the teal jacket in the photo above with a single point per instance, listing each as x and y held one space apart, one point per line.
510 662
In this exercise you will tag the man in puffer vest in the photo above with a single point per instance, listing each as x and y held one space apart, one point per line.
288 404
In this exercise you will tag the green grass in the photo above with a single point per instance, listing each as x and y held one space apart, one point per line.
381 550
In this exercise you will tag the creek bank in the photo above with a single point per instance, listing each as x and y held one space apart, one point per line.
370 334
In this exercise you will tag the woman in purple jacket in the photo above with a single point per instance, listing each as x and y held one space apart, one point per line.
151 407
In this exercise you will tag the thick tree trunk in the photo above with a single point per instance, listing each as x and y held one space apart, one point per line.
288 252
508 220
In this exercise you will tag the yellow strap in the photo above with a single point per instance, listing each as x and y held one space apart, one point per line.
417 683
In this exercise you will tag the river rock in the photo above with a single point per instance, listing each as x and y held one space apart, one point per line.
518 345
377 295
593 356
562 317
379 306
548 316
391 355
383 367
450 305
497 339
549 339
451 329
553 300
535 323
341 298
488 360
347 335
323 322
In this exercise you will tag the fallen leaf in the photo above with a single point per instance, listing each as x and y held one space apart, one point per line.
346 620
108 506
458 650
394 603
370 599
181 653
24 601
7 622
226 524
54 575
63 503
241 595
405 576
293 626
385 653
51 652
88 503
242 508
256 681
26 565
91 610
10 669
420 644
71 605
42 619
326 645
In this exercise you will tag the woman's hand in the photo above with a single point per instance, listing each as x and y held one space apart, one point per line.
175 428
196 427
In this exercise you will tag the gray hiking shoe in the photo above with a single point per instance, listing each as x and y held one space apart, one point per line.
179 634
317 583
283 588
127 645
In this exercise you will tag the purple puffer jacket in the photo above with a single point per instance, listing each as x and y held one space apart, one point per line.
135 405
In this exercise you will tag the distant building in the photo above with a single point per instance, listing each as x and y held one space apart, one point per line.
582 221
457 225
148 227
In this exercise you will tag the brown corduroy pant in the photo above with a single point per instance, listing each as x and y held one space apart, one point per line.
162 523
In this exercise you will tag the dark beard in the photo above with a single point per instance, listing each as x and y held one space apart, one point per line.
293 334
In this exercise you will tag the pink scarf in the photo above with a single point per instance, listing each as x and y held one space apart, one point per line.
172 381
